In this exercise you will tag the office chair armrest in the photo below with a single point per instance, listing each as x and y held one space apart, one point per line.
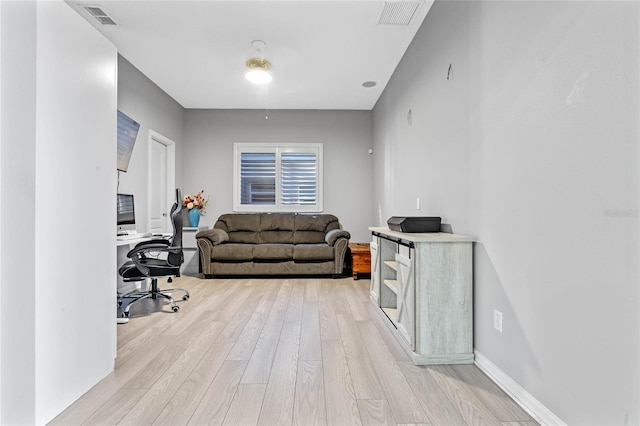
147 247
172 249
155 241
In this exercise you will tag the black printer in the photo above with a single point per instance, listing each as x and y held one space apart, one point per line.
414 224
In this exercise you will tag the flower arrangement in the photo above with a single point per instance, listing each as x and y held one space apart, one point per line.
197 201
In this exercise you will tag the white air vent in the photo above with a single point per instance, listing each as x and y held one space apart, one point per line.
100 15
397 12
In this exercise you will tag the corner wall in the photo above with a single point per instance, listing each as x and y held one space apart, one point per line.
531 144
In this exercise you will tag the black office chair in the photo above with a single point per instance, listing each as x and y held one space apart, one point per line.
154 259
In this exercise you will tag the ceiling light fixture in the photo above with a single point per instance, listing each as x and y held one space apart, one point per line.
258 66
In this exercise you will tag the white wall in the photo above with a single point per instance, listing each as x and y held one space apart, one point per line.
75 191
58 336
532 147
143 101
0 211
346 135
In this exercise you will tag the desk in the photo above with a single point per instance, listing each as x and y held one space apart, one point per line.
134 241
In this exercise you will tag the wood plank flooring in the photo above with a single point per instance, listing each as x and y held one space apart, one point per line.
279 352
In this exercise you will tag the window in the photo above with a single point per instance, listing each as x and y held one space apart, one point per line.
283 177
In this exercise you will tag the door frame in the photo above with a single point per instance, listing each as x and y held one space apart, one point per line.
171 171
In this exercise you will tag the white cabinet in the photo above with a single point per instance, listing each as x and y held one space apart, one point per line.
190 251
423 284
374 290
405 322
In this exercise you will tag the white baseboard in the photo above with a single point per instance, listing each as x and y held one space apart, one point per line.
531 405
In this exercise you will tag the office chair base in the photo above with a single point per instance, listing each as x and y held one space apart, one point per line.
154 293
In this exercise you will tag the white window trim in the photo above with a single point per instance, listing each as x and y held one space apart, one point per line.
278 148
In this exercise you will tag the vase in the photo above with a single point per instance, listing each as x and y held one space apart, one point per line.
194 217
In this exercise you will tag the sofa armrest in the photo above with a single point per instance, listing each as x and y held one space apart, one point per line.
333 236
216 236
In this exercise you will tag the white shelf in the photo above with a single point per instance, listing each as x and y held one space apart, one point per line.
392 285
391 264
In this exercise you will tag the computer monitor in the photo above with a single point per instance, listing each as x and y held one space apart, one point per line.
126 210
127 134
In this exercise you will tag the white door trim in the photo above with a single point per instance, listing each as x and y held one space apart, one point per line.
171 171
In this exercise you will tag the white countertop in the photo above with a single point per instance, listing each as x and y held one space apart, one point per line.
427 237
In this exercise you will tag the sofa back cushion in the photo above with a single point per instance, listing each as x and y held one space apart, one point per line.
242 228
312 228
276 228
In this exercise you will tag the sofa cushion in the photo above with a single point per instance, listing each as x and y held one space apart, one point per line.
276 228
312 252
312 228
316 222
242 228
308 237
277 221
273 252
232 252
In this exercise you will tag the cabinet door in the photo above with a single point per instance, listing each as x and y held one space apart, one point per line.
406 300
374 290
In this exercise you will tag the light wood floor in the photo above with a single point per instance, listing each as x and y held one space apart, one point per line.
279 351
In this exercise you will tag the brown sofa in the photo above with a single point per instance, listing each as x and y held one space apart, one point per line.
273 244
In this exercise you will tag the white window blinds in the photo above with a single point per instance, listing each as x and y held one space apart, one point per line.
283 177
299 178
258 178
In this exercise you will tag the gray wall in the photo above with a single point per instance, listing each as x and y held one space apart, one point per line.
143 101
346 135
531 146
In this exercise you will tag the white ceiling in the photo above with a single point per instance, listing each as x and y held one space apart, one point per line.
321 51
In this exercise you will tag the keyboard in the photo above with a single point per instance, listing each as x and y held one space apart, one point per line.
133 236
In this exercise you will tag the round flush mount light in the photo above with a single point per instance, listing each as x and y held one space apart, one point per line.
258 71
258 67
369 84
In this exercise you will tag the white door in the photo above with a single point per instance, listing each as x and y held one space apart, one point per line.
161 182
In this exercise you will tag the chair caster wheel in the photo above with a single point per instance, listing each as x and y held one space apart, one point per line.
175 308
185 297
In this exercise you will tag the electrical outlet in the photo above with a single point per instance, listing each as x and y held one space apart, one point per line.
418 203
497 320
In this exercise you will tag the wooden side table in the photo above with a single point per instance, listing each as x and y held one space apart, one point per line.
361 259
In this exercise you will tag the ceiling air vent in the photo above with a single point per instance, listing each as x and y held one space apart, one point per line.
100 15
397 12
